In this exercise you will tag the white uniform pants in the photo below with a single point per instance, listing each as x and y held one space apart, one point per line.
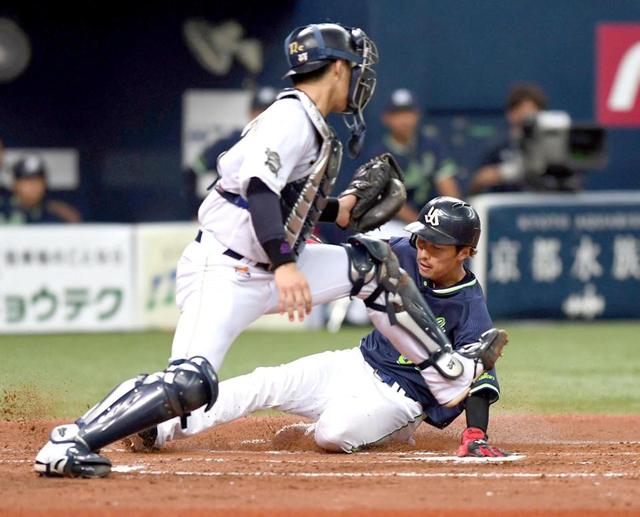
220 296
351 406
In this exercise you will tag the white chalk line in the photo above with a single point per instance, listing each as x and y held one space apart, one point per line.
142 469
358 460
582 442
434 459
521 443
395 457
139 469
353 460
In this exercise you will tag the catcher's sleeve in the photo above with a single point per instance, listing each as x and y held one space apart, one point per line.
266 217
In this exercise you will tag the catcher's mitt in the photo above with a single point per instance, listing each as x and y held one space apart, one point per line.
379 187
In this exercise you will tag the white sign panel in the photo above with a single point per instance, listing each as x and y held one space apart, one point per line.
158 249
66 278
207 116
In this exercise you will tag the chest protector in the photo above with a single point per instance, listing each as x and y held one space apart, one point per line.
303 201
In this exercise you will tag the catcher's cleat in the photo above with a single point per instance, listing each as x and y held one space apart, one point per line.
144 441
474 444
65 456
488 349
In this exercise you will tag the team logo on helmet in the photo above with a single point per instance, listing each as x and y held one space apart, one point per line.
432 217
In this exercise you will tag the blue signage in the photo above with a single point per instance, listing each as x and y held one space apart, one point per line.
561 256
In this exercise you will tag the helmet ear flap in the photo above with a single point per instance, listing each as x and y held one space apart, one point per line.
413 240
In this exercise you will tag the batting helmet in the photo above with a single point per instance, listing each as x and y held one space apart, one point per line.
311 47
446 220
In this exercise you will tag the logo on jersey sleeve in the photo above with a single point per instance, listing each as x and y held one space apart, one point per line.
441 321
273 161
433 216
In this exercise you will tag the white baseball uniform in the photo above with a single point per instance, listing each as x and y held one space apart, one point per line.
219 295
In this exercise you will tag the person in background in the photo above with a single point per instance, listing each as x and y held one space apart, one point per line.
3 173
29 200
429 171
501 168
206 162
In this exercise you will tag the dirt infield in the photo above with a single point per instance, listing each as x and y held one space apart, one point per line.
572 465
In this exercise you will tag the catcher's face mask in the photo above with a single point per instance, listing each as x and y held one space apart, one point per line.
363 84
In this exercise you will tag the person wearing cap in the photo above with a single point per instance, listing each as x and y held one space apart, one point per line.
428 171
204 166
29 200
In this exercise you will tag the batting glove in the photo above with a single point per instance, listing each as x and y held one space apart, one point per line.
474 443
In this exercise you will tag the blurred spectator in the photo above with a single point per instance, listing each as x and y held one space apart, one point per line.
2 171
29 200
5 194
428 171
501 169
206 162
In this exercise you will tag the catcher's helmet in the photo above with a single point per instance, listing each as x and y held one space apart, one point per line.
311 47
446 220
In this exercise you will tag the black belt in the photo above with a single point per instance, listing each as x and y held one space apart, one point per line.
234 199
235 255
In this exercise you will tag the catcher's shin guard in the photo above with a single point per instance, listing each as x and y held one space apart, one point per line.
148 400
372 258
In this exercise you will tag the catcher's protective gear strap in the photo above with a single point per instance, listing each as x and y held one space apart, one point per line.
404 304
362 267
305 211
137 404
